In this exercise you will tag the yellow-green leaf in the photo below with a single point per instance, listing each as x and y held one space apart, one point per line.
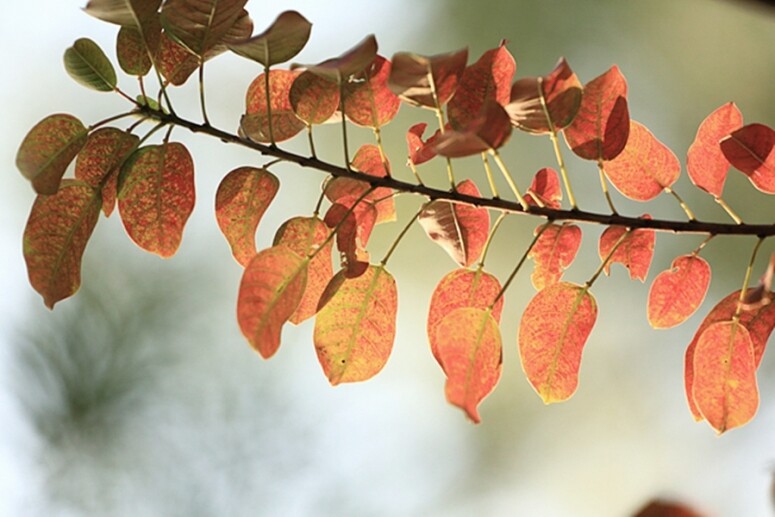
87 63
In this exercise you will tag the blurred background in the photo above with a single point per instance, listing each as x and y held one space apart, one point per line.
139 396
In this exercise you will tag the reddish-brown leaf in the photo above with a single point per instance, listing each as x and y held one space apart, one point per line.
156 196
471 355
368 100
100 161
127 13
277 44
677 292
634 253
546 189
751 150
203 25
356 326
353 229
285 123
176 64
428 81
48 149
659 508
305 235
55 237
601 127
724 387
314 99
706 164
240 202
270 291
355 60
420 151
132 50
461 288
552 334
646 166
458 228
553 253
487 79
490 129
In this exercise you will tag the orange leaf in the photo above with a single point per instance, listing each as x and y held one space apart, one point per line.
552 334
304 235
240 202
356 326
156 196
635 252
461 288
353 229
285 123
705 163
676 293
410 77
751 150
368 100
55 237
270 291
471 355
554 252
724 387
314 99
546 188
489 129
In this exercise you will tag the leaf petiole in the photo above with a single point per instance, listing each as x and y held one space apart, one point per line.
522 260
608 258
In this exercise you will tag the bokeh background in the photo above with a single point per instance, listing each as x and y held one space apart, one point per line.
139 396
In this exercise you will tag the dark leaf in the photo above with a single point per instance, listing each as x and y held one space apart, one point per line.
279 43
418 79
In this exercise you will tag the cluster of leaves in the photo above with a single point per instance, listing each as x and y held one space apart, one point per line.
477 106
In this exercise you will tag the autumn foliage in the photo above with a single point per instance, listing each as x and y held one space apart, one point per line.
352 295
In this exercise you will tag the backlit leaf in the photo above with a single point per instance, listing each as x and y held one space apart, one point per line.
353 61
270 291
314 99
420 151
87 63
634 253
471 355
100 161
127 13
156 196
601 127
304 235
285 123
240 202
48 149
677 292
751 150
546 188
175 63
356 326
132 52
490 129
705 162
459 228
552 334
279 43
724 388
201 25
368 100
553 253
55 237
353 229
415 78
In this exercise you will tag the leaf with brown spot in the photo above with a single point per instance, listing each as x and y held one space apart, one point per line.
553 253
427 81
285 123
705 162
279 43
634 253
314 99
751 150
491 129
677 292
546 188
368 100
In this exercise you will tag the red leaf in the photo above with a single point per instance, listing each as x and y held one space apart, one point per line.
156 196
546 188
750 150
355 60
285 38
461 288
356 326
458 228
489 130
705 163
304 235
314 99
55 237
646 166
420 151
602 124
552 333
352 234
285 123
677 292
240 202
634 253
471 355
175 63
368 100
415 78
487 79
554 252
270 291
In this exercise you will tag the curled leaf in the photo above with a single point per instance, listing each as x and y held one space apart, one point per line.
285 123
546 189
352 62
314 99
553 253
635 252
420 151
368 100
677 292
751 150
279 43
427 81
490 129
87 63
705 162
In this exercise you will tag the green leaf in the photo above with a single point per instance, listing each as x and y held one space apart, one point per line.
201 25
279 43
87 63
132 52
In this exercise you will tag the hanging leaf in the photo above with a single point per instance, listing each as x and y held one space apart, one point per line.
55 237
156 196
546 188
87 64
420 151
602 125
353 229
634 253
314 99
368 100
176 64
415 78
489 79
304 235
356 326
285 38
489 130
461 288
677 292
355 60
127 13
201 25
750 150
471 355
240 202
552 333
285 123
132 51
553 253
48 149
100 161
538 104
270 291
460 229
705 162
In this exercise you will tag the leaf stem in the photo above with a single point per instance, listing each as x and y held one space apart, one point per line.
382 156
268 95
202 94
111 119
522 260
414 171
604 186
490 236
681 202
442 124
505 171
490 179
339 224
556 145
322 196
705 241
401 235
608 257
747 279
728 210
311 141
125 95
344 126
